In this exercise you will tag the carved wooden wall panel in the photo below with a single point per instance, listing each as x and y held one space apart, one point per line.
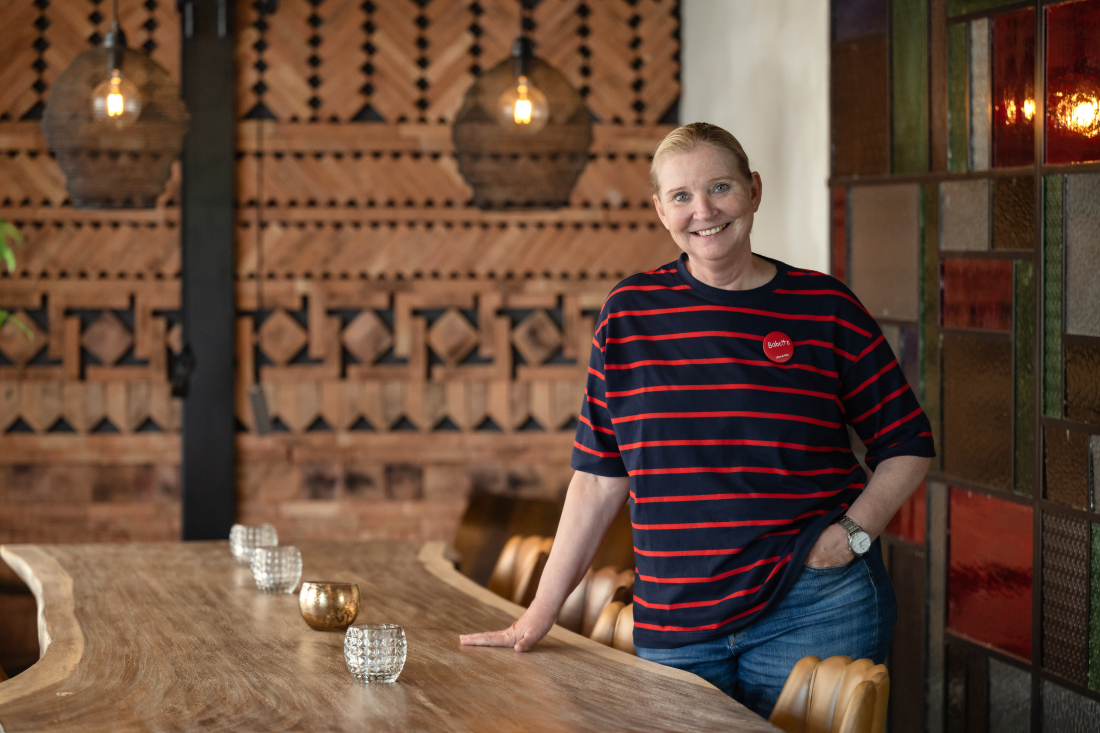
413 348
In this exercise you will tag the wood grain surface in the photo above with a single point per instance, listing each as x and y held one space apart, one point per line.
173 637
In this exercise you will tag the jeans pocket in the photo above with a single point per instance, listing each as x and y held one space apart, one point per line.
832 570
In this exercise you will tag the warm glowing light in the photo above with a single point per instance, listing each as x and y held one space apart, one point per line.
116 100
523 111
1079 112
524 108
1029 109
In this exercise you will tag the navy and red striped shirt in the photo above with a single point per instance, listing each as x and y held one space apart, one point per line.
736 463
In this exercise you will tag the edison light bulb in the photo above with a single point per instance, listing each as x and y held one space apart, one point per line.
116 100
523 108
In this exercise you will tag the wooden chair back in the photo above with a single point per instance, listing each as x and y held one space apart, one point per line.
527 579
500 582
2 675
571 615
623 640
835 695
603 630
602 590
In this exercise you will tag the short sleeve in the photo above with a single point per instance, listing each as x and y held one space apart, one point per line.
595 448
878 402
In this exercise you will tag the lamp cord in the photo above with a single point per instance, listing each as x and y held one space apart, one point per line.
259 243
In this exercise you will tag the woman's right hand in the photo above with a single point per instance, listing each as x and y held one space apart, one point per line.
521 635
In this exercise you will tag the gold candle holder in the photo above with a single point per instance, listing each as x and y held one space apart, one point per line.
329 606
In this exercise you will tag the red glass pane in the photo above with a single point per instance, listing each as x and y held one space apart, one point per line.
977 294
1073 82
909 522
1014 88
840 235
989 571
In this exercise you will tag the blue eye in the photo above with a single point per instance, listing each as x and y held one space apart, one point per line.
680 197
721 187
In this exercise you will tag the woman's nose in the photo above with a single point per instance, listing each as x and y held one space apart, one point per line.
704 207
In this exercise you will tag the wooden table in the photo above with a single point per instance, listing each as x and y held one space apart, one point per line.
167 637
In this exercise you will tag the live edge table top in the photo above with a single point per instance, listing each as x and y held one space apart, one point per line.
173 637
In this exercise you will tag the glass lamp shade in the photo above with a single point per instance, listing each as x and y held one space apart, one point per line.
116 101
523 108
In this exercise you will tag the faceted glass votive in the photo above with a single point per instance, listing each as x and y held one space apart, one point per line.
375 652
243 539
276 569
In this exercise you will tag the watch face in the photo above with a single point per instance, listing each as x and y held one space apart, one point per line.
860 543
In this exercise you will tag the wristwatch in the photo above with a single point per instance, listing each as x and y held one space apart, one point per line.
859 541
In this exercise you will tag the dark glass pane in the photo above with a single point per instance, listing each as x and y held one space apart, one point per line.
1082 196
958 103
989 577
840 235
884 239
1023 326
929 312
859 18
1065 596
967 678
1053 393
1083 382
977 409
1014 88
1094 471
1066 711
961 7
910 520
1067 466
861 106
1009 698
1073 82
909 357
1014 213
977 294
980 99
909 84
965 215
1094 610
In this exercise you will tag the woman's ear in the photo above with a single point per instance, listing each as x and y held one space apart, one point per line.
757 190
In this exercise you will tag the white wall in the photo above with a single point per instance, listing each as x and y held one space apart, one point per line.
760 69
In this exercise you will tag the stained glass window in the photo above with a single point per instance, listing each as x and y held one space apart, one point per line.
884 238
1066 711
1053 392
1083 381
1023 338
977 294
861 87
958 76
989 571
1083 254
1014 88
909 84
1067 466
980 94
977 409
964 212
1014 213
1009 698
1073 82
839 263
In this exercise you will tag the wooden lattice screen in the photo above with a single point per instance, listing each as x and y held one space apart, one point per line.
415 348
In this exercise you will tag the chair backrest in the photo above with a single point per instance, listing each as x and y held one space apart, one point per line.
2 675
525 592
835 695
623 640
527 558
571 615
600 590
603 630
793 704
500 582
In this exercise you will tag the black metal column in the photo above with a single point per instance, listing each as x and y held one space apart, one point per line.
208 475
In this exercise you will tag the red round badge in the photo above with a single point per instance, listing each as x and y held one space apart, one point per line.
779 347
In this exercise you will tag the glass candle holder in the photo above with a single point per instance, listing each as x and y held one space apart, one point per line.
243 539
375 652
276 569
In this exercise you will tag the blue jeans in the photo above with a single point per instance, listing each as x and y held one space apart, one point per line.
847 610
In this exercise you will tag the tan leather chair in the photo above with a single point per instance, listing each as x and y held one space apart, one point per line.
836 695
500 582
571 615
2 675
525 582
623 639
603 630
603 586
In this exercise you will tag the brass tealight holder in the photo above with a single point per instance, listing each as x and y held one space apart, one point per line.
329 606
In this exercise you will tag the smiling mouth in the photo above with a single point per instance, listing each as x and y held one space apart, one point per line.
711 232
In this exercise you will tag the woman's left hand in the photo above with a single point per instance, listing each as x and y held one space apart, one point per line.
831 549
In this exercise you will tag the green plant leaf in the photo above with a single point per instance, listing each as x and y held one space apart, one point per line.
21 326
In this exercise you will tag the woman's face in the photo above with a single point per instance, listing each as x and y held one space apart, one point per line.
705 203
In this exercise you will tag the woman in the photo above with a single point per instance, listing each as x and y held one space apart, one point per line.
719 388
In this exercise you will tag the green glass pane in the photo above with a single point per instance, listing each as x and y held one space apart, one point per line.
1053 392
961 7
929 339
1024 340
909 84
1094 611
958 74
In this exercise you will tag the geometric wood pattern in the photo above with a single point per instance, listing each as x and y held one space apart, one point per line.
413 348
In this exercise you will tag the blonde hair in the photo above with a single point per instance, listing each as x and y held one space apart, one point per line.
686 138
